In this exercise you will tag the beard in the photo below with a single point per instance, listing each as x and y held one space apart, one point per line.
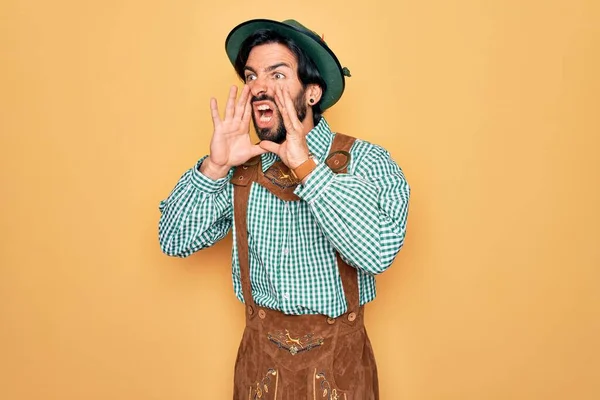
278 133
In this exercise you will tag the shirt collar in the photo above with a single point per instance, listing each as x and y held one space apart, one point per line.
318 140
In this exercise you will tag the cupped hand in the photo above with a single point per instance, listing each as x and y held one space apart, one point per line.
294 150
230 144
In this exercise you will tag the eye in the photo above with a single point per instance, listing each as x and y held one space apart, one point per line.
278 75
250 77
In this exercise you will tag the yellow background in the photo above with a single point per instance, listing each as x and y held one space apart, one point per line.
490 107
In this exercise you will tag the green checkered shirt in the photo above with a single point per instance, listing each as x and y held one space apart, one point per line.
292 245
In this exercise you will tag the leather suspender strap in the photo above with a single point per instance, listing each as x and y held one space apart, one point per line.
338 160
242 179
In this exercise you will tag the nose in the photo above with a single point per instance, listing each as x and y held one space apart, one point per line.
258 87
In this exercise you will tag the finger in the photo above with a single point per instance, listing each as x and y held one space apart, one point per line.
256 150
269 146
291 110
279 99
214 111
240 108
247 111
229 109
290 118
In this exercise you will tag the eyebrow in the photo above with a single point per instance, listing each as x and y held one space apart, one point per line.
268 69
273 67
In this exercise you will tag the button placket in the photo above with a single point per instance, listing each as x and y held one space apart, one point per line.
285 251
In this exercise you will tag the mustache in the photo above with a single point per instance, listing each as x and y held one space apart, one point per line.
263 97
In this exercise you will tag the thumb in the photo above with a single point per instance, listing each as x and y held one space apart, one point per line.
257 151
270 146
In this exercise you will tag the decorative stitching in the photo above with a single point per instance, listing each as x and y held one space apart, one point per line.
283 340
262 387
325 390
278 175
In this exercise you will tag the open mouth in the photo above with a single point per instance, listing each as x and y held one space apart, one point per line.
264 113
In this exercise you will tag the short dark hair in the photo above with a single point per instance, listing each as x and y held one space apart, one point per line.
307 70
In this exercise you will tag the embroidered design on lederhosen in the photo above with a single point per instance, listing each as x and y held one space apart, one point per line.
324 390
280 175
283 340
262 387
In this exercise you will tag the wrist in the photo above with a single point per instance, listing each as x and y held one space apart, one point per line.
212 170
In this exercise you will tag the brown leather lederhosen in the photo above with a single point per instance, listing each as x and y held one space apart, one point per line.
300 357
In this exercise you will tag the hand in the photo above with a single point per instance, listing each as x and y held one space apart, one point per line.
294 150
230 145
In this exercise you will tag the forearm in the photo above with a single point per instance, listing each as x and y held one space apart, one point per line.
363 215
196 215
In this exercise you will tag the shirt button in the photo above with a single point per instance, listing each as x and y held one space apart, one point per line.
286 296
286 251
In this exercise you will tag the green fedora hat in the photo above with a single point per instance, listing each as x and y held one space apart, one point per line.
312 44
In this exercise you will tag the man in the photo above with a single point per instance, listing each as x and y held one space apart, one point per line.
315 216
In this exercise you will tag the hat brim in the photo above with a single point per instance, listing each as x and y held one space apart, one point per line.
327 63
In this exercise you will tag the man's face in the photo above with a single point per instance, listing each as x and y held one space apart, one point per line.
268 66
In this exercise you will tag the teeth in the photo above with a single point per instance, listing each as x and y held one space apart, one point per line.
263 107
265 119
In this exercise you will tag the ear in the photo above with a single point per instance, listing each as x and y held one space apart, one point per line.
313 92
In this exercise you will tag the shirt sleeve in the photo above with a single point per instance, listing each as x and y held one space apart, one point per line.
363 213
197 213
